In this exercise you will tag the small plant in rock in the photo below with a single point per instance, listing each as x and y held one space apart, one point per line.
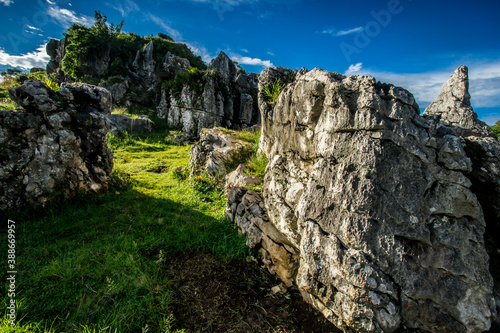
53 86
272 91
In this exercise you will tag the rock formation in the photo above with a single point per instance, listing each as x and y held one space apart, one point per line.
227 97
56 147
370 208
452 113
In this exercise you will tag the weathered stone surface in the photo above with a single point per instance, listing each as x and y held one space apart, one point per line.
240 178
245 209
225 67
123 123
144 64
214 150
84 96
452 113
226 98
118 91
51 154
56 49
33 96
453 107
174 64
375 208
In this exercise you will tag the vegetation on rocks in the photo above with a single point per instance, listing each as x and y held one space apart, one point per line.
496 129
272 91
103 39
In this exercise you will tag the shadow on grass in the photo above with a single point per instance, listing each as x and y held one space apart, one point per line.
97 260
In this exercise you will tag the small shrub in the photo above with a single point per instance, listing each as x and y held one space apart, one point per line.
272 91
496 129
53 86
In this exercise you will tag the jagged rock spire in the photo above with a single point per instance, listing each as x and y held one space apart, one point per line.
453 105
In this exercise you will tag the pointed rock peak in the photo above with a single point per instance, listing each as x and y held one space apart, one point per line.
453 105
224 66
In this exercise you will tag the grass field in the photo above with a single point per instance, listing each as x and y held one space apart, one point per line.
95 263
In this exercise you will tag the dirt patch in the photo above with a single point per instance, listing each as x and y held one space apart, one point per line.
213 295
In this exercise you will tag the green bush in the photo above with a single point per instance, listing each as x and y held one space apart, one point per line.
496 129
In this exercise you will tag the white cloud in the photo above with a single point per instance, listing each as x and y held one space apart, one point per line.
66 17
244 50
200 50
484 83
336 33
51 2
125 8
353 69
33 28
38 58
7 2
168 29
251 61
270 53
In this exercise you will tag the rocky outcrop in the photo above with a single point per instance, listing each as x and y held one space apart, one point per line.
214 150
144 65
452 113
226 97
56 147
267 78
372 209
56 49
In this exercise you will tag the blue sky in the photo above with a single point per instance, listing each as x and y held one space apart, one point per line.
416 44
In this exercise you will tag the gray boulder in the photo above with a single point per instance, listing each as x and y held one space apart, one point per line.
174 64
33 96
53 153
214 150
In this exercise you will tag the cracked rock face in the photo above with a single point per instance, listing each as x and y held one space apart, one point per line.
51 153
374 208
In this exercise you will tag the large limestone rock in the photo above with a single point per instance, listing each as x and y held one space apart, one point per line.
52 153
374 208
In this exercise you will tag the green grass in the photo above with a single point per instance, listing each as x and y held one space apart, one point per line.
272 91
98 263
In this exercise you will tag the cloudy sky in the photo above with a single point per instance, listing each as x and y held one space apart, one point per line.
416 44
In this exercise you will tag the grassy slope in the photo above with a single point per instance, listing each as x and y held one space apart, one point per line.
97 261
